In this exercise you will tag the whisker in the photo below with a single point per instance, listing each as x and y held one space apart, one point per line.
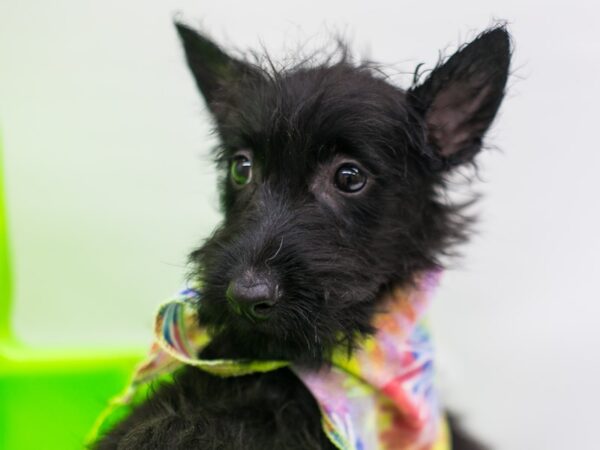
277 252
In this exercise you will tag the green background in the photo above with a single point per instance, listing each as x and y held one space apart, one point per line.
49 398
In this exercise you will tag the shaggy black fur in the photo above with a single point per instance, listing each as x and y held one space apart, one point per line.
332 192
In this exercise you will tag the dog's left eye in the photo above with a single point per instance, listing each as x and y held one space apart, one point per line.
349 178
241 169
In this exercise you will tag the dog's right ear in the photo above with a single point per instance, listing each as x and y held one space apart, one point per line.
211 67
460 98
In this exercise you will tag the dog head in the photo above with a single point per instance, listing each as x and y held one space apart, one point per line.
332 189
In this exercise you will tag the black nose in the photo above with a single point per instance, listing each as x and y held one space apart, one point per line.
251 295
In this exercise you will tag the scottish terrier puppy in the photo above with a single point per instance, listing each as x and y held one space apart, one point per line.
333 194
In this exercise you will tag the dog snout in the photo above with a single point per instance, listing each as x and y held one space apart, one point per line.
252 295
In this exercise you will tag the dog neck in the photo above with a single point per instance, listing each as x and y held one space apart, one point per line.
381 396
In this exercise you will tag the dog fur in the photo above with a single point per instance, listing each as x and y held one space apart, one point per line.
322 253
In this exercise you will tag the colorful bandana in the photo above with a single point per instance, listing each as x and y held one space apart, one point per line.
379 398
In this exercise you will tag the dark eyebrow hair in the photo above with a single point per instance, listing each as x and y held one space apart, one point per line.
322 108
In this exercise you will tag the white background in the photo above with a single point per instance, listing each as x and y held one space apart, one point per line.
109 187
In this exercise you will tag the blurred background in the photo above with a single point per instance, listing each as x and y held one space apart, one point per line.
108 186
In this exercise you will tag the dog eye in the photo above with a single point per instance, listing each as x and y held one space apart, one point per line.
241 169
350 178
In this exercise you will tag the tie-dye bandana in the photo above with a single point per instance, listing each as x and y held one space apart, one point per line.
379 398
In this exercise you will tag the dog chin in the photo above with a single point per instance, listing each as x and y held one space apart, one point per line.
258 345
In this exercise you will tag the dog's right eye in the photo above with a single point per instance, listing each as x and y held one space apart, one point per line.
349 178
241 169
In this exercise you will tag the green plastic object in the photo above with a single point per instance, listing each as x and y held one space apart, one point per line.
50 398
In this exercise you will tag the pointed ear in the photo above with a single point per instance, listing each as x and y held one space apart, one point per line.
460 98
211 67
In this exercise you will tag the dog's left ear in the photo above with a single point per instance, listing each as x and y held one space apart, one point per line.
460 98
211 67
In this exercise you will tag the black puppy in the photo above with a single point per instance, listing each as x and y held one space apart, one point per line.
333 193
